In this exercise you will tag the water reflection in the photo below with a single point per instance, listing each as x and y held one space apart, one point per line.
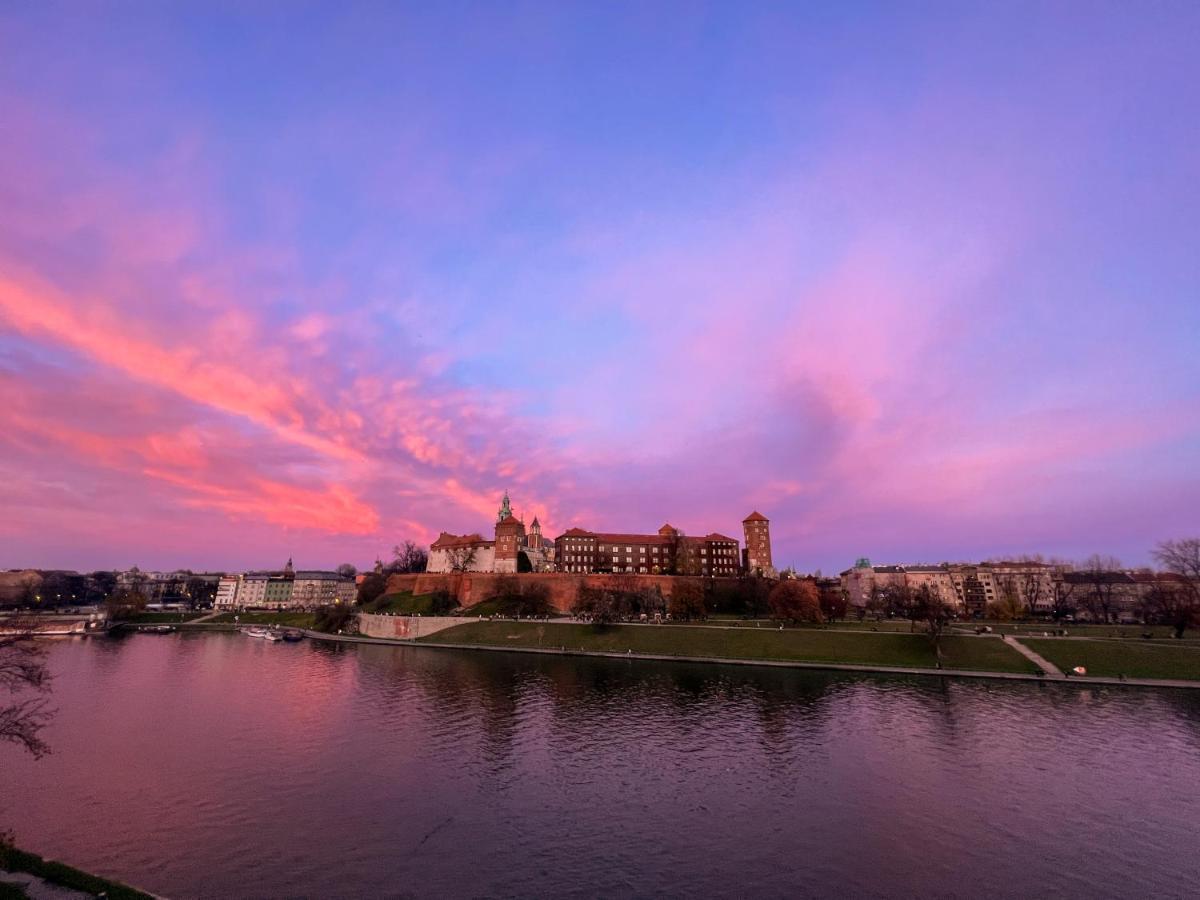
202 765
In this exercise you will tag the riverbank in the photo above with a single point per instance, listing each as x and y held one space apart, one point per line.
798 649
25 874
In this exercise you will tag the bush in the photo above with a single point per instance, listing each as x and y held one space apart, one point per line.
796 601
509 598
442 603
371 589
335 618
687 601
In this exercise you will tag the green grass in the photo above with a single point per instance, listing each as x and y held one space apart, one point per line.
15 860
404 603
289 619
1075 629
147 618
900 626
795 645
1114 658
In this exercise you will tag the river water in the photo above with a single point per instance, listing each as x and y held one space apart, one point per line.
221 766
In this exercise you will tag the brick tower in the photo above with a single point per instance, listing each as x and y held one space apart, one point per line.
758 545
510 537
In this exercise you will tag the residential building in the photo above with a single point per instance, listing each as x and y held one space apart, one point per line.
227 592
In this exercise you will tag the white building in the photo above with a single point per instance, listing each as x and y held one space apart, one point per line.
227 592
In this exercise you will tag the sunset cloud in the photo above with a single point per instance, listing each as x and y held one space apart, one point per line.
911 301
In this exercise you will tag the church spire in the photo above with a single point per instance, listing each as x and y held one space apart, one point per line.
505 509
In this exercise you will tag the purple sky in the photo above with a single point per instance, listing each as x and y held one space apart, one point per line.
919 282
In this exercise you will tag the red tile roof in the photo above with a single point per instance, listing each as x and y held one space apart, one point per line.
446 540
756 516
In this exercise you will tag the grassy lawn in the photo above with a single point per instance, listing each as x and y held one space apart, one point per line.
147 618
1115 658
402 603
899 626
798 645
1075 629
289 619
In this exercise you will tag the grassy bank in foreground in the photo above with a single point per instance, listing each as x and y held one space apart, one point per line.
14 860
796 645
1114 658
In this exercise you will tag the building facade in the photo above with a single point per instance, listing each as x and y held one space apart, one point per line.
227 592
666 553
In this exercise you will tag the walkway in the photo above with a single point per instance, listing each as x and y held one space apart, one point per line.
1036 658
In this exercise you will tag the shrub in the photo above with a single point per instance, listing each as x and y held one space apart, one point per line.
334 618
371 589
796 601
687 601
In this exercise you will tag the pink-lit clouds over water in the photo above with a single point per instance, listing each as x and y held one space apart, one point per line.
309 281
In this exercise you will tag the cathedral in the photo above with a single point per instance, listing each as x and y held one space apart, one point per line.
512 548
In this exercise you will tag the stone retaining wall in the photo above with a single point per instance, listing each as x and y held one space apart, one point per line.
406 627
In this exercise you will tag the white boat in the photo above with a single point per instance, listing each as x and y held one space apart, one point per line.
273 635
257 632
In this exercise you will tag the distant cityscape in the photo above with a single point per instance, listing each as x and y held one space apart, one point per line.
1096 590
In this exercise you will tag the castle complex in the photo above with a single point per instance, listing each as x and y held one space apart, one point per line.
579 551
512 549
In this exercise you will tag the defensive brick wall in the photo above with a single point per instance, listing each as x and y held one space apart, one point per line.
470 588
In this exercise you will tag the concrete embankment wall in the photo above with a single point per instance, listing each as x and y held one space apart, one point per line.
406 627
470 588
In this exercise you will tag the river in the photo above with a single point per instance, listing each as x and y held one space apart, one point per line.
220 766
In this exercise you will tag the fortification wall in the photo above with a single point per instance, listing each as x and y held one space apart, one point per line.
470 588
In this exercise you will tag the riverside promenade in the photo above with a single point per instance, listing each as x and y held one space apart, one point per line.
1044 677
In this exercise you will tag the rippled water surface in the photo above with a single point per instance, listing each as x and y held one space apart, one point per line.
221 766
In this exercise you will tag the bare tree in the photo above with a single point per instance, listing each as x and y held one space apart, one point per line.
347 570
1182 558
409 557
1100 576
22 672
930 608
460 559
1180 601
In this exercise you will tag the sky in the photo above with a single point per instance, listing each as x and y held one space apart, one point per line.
917 281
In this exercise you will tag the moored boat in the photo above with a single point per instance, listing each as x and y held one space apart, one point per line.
293 634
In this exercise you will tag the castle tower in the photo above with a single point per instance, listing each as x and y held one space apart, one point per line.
534 541
510 537
758 545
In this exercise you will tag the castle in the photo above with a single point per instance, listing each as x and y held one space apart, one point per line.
511 549
668 552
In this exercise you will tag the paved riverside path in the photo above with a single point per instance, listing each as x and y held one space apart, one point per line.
1036 658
